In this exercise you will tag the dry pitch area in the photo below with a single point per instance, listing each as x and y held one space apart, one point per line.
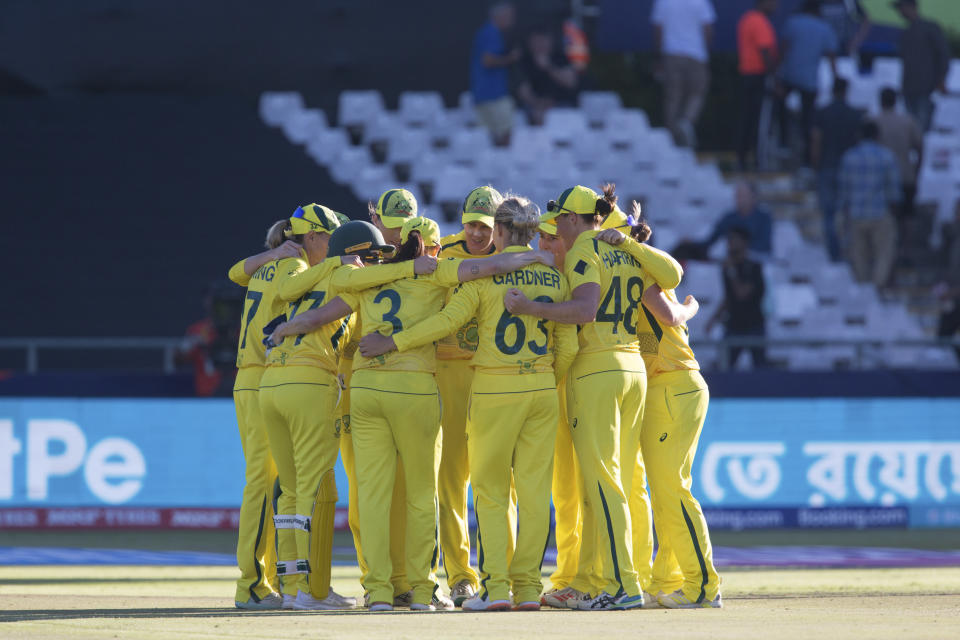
190 602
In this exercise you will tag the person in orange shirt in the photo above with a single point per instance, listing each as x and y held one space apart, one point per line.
757 52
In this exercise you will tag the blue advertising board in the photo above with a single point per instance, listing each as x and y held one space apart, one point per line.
761 462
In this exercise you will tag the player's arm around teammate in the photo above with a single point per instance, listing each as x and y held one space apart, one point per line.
298 398
684 575
513 409
605 392
256 553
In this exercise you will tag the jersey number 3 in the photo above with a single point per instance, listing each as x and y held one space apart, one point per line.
391 315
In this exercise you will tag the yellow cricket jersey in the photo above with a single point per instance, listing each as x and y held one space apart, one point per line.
388 308
622 281
238 275
322 347
664 348
508 344
261 307
461 344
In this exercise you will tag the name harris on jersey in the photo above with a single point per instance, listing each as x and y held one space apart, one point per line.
614 257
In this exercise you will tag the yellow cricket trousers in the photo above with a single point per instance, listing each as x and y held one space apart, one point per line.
398 511
676 409
299 405
566 500
641 521
605 393
454 378
512 422
396 415
256 550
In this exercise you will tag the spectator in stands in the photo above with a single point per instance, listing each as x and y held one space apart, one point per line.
682 33
926 61
489 73
757 51
209 344
806 38
547 78
834 131
849 22
948 290
742 306
900 133
869 189
748 215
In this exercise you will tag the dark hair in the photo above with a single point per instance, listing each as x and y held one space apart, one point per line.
840 86
888 98
412 248
604 205
740 231
641 231
869 130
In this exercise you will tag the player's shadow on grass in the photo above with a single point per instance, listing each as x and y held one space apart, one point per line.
35 615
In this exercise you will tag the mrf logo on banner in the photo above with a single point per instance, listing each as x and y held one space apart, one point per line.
112 468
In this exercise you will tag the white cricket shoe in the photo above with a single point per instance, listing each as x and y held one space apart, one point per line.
288 601
677 600
306 602
346 601
566 598
271 601
651 601
603 601
381 606
479 603
441 602
462 591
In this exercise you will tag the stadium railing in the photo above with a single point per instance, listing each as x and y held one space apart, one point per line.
867 354
32 347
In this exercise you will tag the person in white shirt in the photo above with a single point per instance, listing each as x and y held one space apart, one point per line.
682 33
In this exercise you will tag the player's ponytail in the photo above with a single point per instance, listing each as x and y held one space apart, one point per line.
640 231
277 233
412 248
607 202
519 217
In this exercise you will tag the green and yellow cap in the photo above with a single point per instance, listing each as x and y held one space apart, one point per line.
548 222
579 199
617 220
342 218
314 217
395 207
429 230
480 205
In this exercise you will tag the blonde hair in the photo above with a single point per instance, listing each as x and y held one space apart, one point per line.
277 233
520 217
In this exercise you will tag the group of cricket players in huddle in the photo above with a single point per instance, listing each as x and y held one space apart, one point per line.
430 364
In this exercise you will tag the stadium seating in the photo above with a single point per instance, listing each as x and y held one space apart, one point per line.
440 155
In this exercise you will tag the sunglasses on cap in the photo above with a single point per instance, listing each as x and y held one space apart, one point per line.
300 213
553 205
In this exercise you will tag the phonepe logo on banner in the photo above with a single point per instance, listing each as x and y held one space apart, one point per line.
113 468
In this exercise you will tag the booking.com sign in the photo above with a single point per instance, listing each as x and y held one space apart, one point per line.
754 454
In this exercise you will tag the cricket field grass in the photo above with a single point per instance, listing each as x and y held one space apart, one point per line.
197 602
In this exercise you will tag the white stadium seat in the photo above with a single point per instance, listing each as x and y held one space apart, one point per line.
419 108
597 105
276 106
359 107
302 126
